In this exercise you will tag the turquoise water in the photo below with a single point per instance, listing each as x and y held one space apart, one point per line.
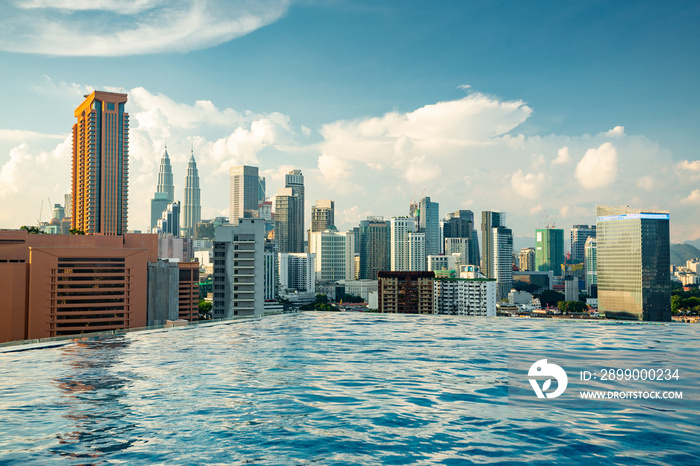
335 388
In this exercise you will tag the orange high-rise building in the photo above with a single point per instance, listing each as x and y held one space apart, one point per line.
101 165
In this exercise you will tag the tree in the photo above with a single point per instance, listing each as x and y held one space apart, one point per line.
551 298
562 306
31 230
204 310
350 298
576 307
321 299
75 231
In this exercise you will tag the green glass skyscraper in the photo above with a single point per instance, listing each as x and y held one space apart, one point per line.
634 260
549 250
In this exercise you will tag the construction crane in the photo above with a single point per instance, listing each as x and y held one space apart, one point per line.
545 218
41 209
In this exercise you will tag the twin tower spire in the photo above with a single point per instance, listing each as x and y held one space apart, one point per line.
165 194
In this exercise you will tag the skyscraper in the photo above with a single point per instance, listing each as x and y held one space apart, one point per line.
165 190
100 175
295 180
526 259
633 255
502 260
400 249
591 266
289 213
460 224
287 206
549 250
244 197
165 177
322 215
375 247
489 221
579 235
430 225
192 208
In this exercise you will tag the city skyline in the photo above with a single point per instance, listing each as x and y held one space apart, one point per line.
478 133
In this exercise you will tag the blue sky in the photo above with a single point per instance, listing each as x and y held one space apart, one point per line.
513 106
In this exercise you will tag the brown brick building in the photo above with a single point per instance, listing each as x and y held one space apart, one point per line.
189 291
406 292
52 285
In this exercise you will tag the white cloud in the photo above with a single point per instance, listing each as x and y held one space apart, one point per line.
598 167
464 154
528 185
646 182
688 170
112 28
693 197
562 156
616 132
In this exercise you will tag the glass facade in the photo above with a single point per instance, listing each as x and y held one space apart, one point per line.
633 259
549 250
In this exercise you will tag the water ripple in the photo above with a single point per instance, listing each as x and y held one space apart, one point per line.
332 388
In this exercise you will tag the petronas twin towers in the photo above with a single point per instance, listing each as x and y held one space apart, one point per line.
165 195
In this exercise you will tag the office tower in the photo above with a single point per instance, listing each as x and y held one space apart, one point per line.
489 221
295 180
442 262
416 251
406 292
335 259
169 221
100 176
261 190
460 246
579 235
591 266
191 209
165 190
430 225
297 271
322 215
239 269
502 260
287 234
68 205
165 177
549 250
460 224
244 199
375 247
465 297
400 228
526 259
633 255
159 203
271 269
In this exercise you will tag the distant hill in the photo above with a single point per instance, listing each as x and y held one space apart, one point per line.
681 252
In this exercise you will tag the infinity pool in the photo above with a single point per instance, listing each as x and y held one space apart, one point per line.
335 388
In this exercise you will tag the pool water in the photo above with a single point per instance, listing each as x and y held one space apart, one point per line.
335 388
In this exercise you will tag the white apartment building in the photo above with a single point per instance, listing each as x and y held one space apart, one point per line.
239 279
446 262
465 297
297 271
416 252
400 253
458 246
335 254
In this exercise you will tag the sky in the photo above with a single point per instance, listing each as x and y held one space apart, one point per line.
521 107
